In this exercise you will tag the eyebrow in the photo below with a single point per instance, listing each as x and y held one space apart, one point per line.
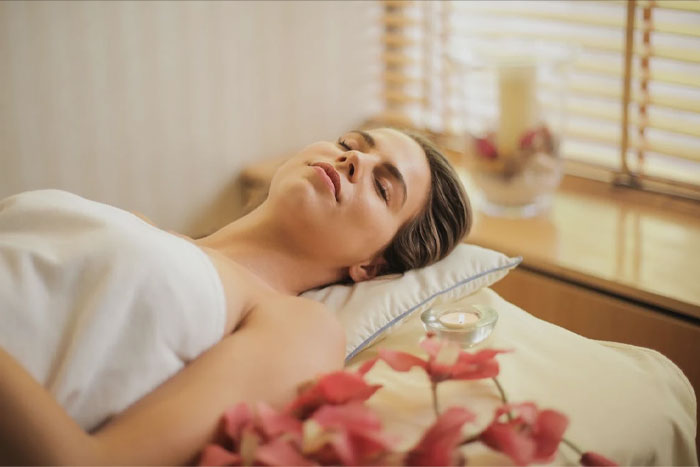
367 137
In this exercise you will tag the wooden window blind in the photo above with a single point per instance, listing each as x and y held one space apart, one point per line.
633 89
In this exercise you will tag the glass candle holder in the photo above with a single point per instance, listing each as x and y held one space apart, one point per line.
514 114
467 325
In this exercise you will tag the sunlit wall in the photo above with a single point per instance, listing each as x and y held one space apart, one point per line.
156 106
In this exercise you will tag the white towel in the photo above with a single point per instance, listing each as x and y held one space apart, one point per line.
98 305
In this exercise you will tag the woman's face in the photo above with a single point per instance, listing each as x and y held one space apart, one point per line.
347 199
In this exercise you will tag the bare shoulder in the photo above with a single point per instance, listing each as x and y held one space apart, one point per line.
297 306
307 318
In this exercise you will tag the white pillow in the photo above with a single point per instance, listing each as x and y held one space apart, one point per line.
369 309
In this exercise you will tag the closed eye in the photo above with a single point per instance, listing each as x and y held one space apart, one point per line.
343 144
382 190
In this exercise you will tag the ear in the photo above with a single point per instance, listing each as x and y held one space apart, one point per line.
367 270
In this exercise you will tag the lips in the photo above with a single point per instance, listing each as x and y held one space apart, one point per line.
332 174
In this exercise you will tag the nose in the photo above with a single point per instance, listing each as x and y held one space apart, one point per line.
350 161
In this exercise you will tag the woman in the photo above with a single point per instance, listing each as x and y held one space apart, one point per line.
371 203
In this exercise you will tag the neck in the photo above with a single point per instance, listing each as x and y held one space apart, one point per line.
258 243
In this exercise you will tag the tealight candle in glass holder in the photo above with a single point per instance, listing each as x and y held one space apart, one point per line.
468 325
458 319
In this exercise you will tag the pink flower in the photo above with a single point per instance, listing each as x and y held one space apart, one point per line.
485 148
335 388
281 452
349 434
593 458
268 438
438 444
268 423
532 436
537 139
213 454
526 141
274 424
235 419
445 361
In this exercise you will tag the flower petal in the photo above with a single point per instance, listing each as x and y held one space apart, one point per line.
401 361
280 452
274 423
486 148
548 431
353 417
506 439
437 446
366 366
235 419
333 388
476 366
371 447
448 354
525 412
250 440
593 458
343 386
338 450
213 454
309 399
361 438
440 365
530 436
432 345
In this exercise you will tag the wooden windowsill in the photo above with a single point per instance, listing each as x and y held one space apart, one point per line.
637 245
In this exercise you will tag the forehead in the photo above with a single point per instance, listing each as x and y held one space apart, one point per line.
397 145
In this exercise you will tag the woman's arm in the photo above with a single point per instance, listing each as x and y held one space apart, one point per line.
34 429
276 348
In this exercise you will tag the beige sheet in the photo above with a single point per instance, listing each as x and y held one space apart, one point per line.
628 403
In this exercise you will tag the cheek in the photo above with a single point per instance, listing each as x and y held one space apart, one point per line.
312 152
373 223
284 182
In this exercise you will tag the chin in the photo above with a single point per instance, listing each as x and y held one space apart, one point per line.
300 202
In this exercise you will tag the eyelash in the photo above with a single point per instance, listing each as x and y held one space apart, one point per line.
381 190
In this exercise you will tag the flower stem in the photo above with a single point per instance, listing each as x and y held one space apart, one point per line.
471 440
500 390
572 446
504 398
433 387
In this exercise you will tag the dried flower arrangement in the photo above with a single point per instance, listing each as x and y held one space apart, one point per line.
521 176
536 141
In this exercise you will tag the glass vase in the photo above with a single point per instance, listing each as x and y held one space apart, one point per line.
514 114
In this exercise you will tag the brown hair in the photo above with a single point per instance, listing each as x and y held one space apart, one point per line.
444 221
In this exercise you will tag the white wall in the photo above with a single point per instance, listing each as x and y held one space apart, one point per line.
156 106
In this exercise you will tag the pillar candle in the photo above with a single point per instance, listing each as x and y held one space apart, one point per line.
517 105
